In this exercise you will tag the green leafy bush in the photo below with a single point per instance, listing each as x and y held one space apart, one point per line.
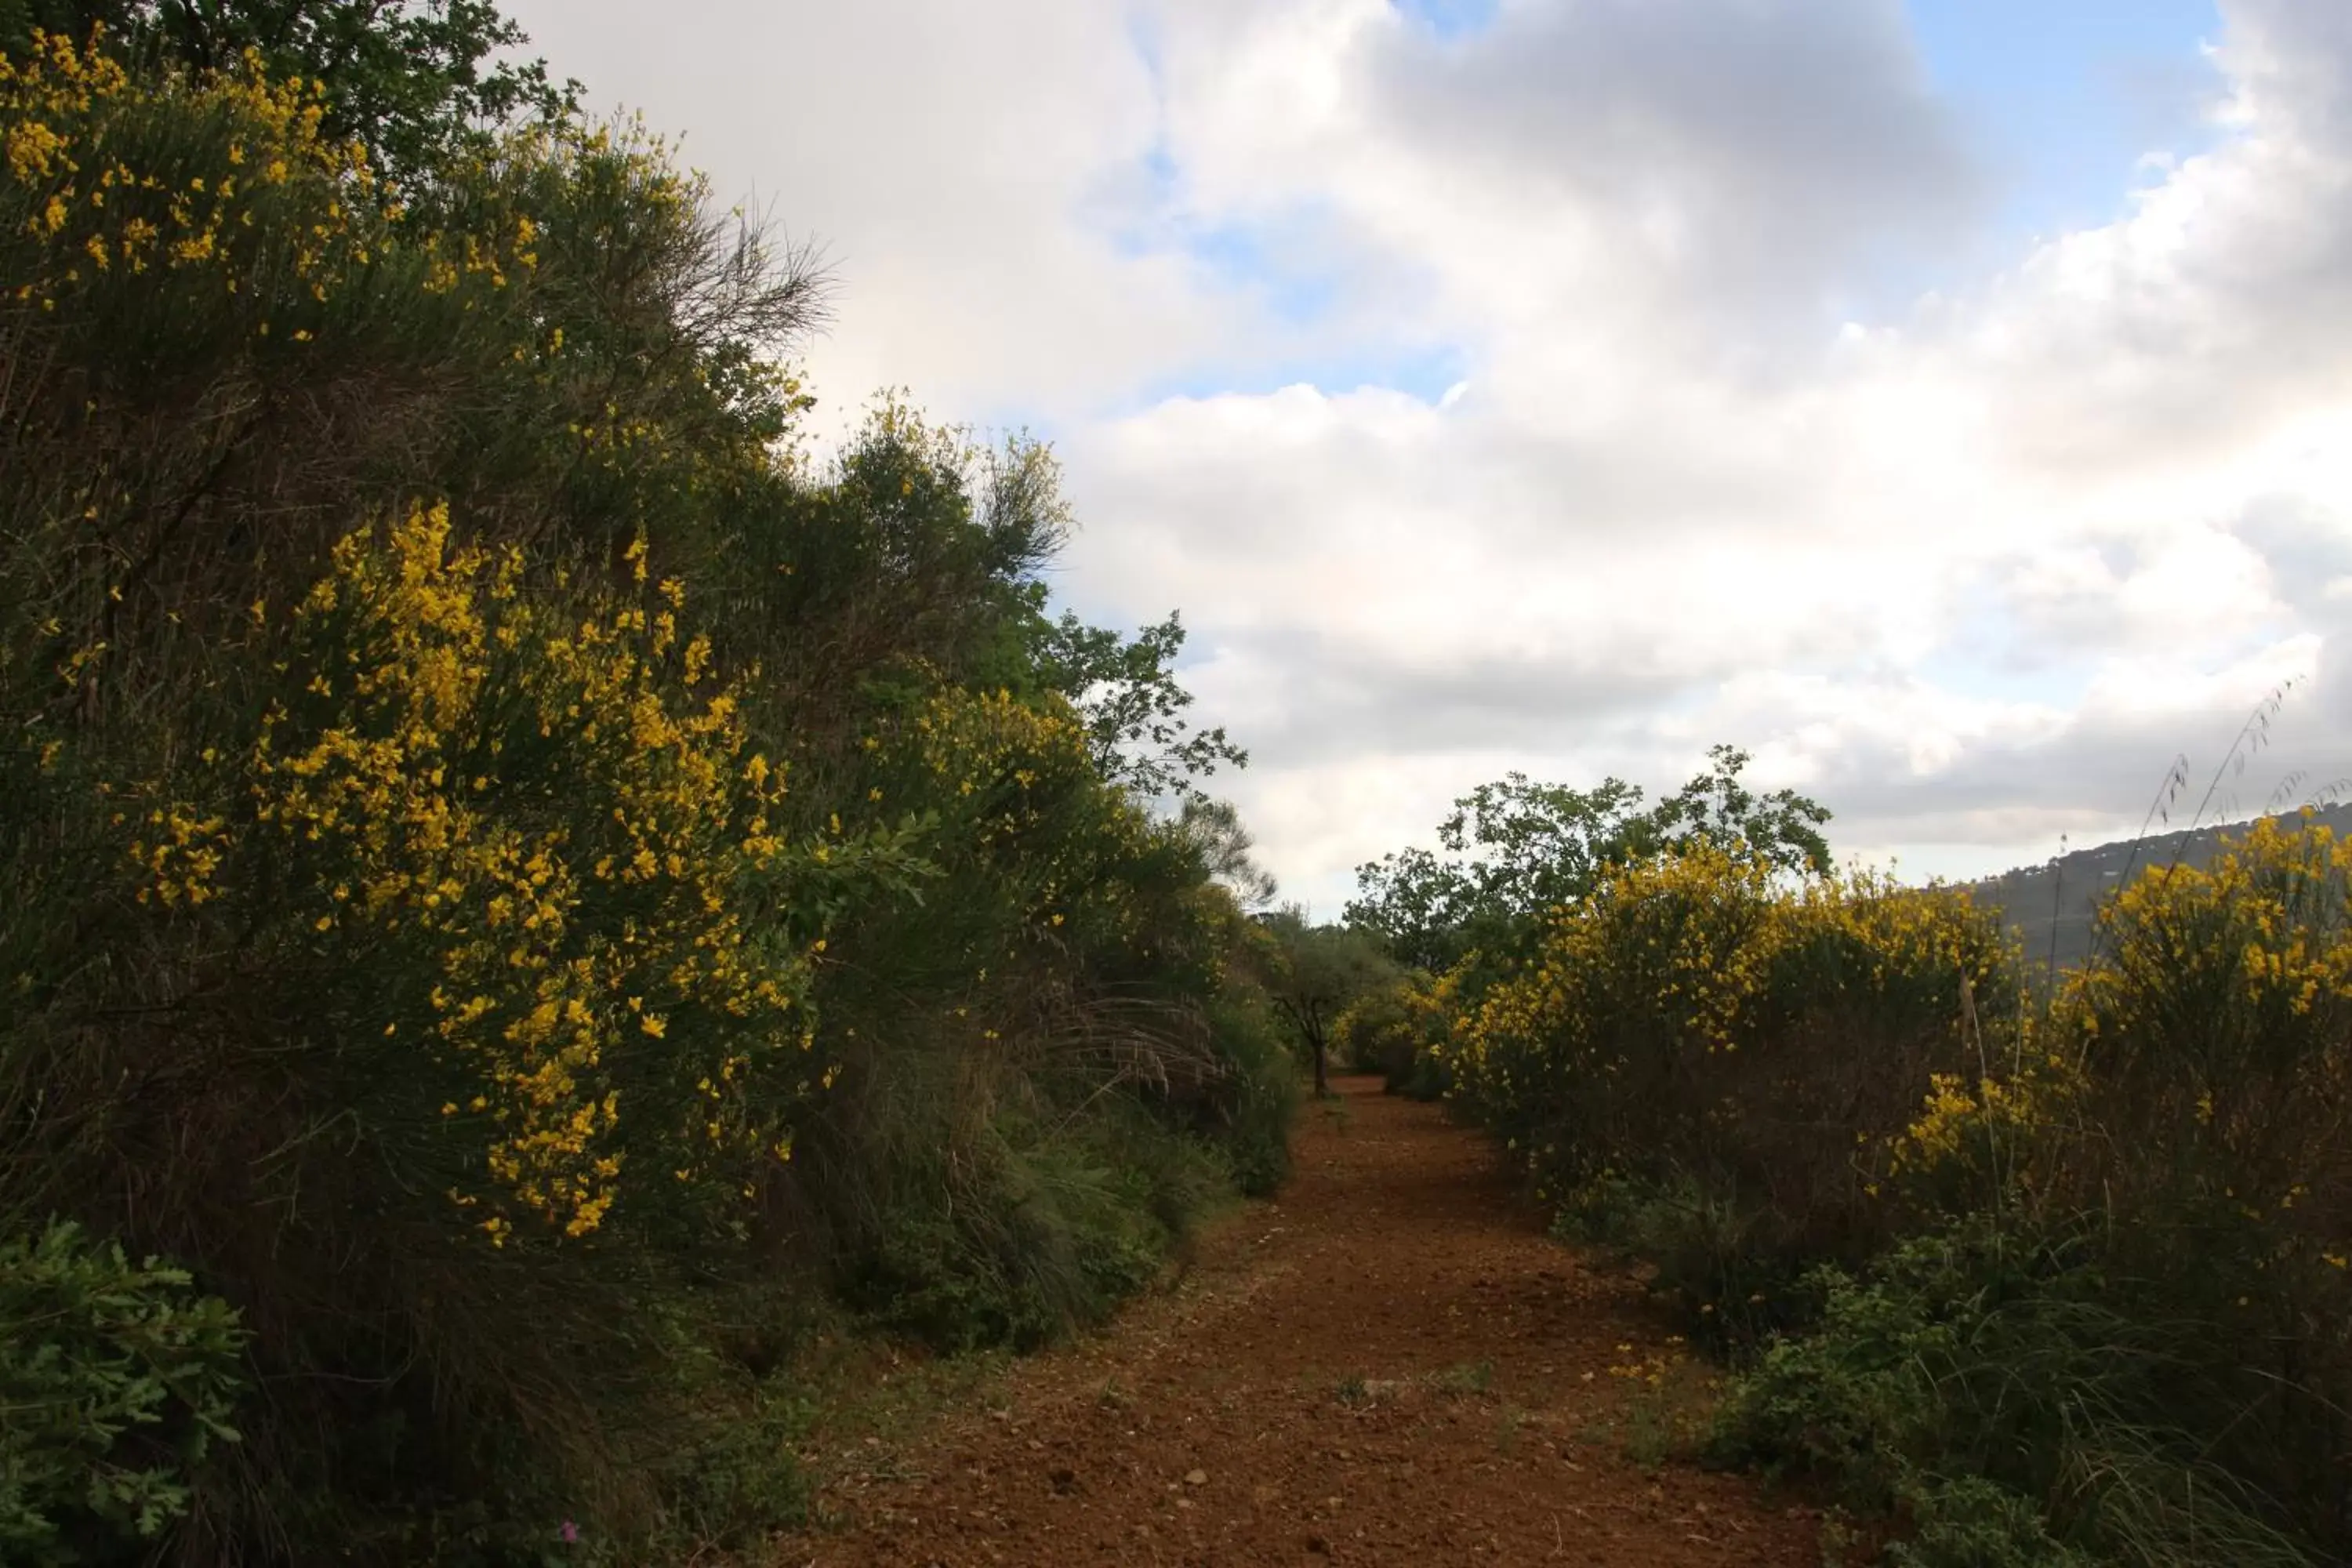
1377 1034
518 869
2046 1282
1397 1029
116 1381
2022 1368
1970 1522
1248 1117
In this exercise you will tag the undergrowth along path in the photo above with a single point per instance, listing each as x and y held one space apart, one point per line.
1388 1363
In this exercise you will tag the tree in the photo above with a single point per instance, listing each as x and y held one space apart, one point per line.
1514 848
1134 708
416 82
1320 971
1216 828
1783 828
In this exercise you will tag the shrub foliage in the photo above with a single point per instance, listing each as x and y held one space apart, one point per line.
2059 1283
525 879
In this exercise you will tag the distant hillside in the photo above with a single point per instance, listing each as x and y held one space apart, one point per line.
2056 899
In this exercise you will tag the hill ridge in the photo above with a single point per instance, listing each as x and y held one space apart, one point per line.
2050 905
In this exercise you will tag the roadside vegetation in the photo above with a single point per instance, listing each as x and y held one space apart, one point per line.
534 895
2017 1279
528 887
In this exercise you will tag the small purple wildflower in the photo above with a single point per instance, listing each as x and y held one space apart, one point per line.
569 1533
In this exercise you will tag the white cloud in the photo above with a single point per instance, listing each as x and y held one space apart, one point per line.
945 157
1971 567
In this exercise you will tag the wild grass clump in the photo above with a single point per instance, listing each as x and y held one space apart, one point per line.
2051 1285
2066 1410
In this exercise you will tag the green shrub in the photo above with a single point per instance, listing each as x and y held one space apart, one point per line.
2090 1258
1397 1029
115 1383
1970 1522
1733 1272
1033 1236
1378 1032
1254 1104
2017 1362
732 1474
511 861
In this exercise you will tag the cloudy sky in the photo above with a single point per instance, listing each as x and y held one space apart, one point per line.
1949 401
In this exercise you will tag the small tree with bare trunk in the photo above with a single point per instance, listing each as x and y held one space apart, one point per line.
1321 969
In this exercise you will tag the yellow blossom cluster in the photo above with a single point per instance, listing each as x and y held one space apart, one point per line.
1002 765
1862 1043
178 855
228 181
2266 922
1675 945
71 119
1650 1009
1650 1368
559 814
1990 1134
1393 1025
2214 1035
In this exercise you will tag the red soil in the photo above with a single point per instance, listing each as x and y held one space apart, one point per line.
1390 1364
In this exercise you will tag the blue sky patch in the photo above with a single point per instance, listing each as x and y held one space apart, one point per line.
1265 259
2061 98
1449 18
1977 671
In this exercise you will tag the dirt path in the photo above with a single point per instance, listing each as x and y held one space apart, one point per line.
1389 1365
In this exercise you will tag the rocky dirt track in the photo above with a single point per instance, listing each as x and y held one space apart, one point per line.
1388 1364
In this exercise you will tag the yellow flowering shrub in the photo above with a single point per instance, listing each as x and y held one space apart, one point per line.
1987 1138
1401 1030
2144 1193
559 816
78 181
1698 1020
1013 790
990 754
194 274
1865 935
1375 1032
2214 1035
1656 964
2198 1060
117 181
